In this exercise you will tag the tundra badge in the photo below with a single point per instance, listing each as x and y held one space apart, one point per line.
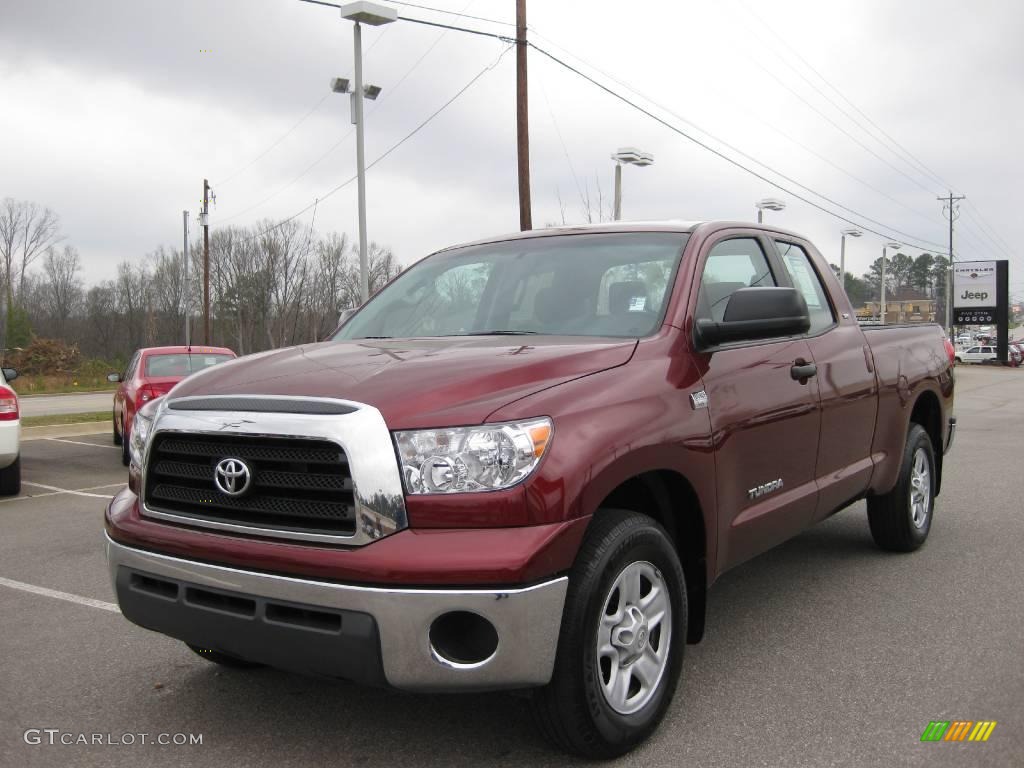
765 488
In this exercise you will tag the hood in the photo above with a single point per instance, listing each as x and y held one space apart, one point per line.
416 382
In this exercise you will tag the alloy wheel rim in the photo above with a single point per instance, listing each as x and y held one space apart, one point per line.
634 637
920 489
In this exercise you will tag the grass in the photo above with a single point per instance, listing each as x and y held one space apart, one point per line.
60 385
64 418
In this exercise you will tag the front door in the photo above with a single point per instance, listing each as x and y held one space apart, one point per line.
765 424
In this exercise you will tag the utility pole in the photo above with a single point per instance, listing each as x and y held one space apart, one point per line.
522 120
187 283
950 205
205 221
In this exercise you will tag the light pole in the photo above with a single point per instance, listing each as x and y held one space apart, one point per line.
375 15
887 245
770 203
627 156
842 253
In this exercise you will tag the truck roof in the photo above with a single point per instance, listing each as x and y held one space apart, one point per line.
664 225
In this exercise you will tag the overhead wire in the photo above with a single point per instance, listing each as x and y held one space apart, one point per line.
387 152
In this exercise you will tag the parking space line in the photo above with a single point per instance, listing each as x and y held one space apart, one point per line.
101 604
98 487
67 490
79 442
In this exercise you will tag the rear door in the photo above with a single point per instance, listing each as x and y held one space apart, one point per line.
847 386
764 423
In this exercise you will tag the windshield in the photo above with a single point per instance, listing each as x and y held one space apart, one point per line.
614 284
181 364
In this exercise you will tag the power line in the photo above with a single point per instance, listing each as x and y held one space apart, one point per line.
916 165
267 151
393 147
739 165
461 14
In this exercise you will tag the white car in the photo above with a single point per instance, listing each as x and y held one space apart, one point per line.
964 339
976 354
10 436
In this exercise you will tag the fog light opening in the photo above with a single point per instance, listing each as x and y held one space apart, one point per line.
463 639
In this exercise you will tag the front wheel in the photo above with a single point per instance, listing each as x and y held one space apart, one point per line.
621 645
901 519
126 455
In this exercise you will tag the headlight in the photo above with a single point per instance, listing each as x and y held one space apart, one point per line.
467 459
142 429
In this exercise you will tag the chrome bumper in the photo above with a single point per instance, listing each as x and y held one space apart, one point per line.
527 620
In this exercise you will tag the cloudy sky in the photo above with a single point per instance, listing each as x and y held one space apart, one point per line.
113 112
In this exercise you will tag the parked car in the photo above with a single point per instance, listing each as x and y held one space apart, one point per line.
523 462
977 354
151 373
10 435
964 340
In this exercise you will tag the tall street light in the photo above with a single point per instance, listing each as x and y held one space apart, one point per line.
769 203
627 156
893 245
842 253
375 15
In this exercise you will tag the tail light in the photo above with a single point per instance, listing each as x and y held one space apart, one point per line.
8 405
950 351
148 392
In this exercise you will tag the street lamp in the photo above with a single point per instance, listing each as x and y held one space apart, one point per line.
375 15
627 156
842 253
891 244
771 203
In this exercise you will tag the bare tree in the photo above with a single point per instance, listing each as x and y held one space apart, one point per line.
61 287
26 232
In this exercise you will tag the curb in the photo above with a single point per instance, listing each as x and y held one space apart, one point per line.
66 430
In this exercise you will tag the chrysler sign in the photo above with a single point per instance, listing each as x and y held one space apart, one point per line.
974 285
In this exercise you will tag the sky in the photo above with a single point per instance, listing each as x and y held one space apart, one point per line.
115 110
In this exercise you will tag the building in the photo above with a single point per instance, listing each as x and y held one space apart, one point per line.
904 306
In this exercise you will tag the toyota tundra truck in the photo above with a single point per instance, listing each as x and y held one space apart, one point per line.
522 464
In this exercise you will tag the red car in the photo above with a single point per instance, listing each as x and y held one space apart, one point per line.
151 373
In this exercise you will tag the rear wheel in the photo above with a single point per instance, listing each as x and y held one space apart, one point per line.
10 479
901 519
223 659
621 644
957 361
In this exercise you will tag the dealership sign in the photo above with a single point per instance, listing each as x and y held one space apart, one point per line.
974 285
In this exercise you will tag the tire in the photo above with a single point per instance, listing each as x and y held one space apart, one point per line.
901 519
957 361
126 455
222 659
10 479
118 437
574 711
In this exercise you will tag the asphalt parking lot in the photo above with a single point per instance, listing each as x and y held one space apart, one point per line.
822 652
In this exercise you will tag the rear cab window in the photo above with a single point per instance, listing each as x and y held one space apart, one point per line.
181 364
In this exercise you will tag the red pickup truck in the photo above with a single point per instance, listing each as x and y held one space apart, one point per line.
523 463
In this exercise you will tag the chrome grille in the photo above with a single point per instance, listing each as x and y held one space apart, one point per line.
298 485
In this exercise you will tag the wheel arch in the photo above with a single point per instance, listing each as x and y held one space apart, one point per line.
927 412
670 498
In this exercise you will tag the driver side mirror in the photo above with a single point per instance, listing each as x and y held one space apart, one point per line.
113 378
10 374
756 313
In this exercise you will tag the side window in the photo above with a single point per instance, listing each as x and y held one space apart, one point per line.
973 350
731 265
805 279
525 302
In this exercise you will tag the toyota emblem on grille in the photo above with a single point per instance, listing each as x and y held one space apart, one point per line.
232 477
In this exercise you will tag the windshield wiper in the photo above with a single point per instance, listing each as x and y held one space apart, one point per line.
359 338
499 333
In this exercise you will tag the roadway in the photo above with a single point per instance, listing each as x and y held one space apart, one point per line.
57 405
823 652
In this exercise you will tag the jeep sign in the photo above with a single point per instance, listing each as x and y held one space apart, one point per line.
974 284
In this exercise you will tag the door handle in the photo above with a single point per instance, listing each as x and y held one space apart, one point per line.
802 371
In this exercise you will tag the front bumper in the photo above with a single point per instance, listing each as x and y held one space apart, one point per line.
367 634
